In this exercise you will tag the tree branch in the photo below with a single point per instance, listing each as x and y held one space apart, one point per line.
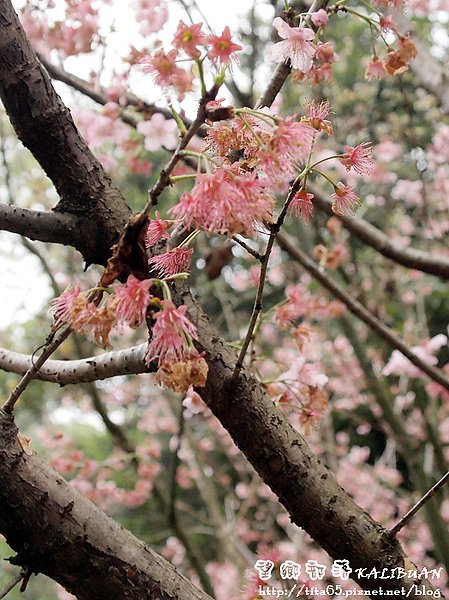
52 227
45 126
94 368
100 97
58 532
408 257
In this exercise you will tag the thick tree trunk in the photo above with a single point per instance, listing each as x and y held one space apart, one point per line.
57 531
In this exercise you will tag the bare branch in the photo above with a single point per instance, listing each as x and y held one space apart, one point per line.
68 538
94 368
408 257
45 126
412 512
53 227
99 95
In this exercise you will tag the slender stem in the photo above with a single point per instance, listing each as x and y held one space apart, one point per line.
411 513
257 308
48 350
164 176
248 248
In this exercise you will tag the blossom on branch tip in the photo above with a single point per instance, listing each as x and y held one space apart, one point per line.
375 69
131 301
172 262
296 46
222 47
188 37
343 199
156 230
359 158
316 116
180 365
61 307
319 18
226 202
302 205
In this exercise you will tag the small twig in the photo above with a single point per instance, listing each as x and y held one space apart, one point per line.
173 486
257 308
248 248
9 586
411 513
164 177
48 350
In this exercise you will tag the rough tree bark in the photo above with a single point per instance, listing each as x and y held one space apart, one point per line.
57 531
45 126
38 519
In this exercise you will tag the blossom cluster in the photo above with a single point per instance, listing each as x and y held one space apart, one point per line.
191 42
179 363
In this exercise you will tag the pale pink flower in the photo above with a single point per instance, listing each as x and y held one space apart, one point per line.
188 37
319 18
375 69
152 16
226 202
156 230
299 302
159 132
316 116
173 335
398 364
343 199
296 46
164 69
387 23
359 158
176 260
61 307
222 47
326 53
302 205
131 301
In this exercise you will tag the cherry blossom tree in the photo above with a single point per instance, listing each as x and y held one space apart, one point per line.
258 333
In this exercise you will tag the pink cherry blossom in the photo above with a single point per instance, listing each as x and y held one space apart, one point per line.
188 38
156 230
398 364
176 260
225 201
344 198
159 132
172 335
222 47
130 301
319 18
61 307
358 158
375 69
302 205
316 116
296 47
